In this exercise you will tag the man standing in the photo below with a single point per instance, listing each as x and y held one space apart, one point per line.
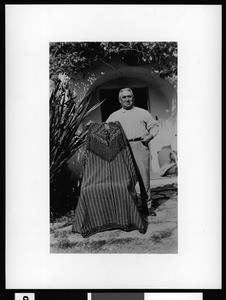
140 128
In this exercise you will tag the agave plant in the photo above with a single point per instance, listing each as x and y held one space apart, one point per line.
66 116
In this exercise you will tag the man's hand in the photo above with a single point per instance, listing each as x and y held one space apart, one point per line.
147 138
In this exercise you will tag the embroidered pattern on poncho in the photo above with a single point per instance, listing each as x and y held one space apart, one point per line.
106 140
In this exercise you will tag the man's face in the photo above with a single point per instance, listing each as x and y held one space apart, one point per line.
126 99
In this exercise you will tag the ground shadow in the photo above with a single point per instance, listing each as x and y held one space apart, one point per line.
162 194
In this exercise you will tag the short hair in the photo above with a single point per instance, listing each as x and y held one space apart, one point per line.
125 89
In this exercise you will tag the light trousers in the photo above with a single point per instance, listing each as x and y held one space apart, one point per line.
141 155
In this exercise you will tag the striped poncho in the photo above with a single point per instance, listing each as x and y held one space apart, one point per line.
108 198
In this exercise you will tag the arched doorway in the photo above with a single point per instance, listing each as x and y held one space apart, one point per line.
151 93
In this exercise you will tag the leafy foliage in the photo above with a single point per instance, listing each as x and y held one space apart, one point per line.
75 57
66 116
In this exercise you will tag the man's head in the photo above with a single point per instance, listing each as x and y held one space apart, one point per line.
126 98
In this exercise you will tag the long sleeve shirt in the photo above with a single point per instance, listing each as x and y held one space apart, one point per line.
136 122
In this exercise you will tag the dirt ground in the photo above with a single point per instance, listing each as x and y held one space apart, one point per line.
161 235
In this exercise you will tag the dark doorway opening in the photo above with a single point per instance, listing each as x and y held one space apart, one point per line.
112 104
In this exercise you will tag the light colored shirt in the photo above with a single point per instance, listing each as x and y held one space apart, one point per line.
136 122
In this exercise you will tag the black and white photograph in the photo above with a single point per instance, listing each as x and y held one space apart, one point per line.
113 138
113 147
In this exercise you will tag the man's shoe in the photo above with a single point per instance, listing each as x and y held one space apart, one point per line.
152 213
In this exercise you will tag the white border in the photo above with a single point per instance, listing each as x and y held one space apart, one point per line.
29 29
173 296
